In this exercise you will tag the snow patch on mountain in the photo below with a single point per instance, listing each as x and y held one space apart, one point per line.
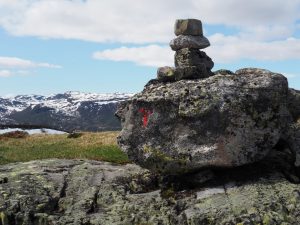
66 104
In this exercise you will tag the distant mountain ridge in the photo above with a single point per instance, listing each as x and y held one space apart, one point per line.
68 111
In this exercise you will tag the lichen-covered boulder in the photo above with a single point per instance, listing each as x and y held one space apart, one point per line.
221 121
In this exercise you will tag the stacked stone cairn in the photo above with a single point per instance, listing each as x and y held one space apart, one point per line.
190 62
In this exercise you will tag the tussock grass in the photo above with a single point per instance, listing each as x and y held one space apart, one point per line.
97 146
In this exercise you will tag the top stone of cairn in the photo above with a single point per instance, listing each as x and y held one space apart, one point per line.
188 27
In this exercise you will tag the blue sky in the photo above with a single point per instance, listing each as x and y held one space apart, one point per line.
54 46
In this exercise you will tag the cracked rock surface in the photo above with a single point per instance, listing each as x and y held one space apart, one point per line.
58 192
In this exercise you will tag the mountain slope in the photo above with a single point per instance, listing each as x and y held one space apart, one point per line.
69 111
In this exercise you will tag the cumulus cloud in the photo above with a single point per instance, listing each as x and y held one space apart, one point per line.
224 49
265 28
13 72
143 21
152 55
5 73
291 75
227 49
13 66
13 62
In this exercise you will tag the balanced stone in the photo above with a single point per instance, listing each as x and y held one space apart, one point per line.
191 72
189 41
188 27
167 73
192 57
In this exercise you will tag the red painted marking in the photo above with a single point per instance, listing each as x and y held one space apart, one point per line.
146 113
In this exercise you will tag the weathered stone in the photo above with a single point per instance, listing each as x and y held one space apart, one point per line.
188 27
166 73
179 73
221 121
189 41
191 72
223 72
294 103
60 192
192 57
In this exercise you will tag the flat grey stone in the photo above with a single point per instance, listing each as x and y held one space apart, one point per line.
191 72
188 27
189 41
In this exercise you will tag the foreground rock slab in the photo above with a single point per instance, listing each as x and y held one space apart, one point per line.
225 120
59 192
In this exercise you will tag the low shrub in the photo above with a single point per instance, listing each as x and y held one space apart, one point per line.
14 134
74 135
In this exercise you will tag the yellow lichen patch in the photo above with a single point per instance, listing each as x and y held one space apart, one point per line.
158 160
3 219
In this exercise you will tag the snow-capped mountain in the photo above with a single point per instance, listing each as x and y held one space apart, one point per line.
69 111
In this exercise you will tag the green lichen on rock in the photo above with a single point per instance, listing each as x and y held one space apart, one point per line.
60 192
163 163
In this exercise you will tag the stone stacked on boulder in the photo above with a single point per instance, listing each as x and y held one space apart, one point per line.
223 120
190 62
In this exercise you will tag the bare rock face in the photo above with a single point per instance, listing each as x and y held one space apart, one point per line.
220 121
60 192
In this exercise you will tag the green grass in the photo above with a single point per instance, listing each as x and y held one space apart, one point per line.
96 146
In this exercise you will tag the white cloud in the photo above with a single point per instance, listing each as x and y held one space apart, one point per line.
152 55
291 75
264 27
232 48
13 66
13 62
224 49
143 21
5 73
13 72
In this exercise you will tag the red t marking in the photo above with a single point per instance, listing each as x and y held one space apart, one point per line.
146 113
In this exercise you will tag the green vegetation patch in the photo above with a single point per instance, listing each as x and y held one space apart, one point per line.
100 146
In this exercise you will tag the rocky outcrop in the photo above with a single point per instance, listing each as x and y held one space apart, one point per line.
221 121
59 192
190 119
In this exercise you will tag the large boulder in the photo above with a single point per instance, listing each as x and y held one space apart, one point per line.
220 121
